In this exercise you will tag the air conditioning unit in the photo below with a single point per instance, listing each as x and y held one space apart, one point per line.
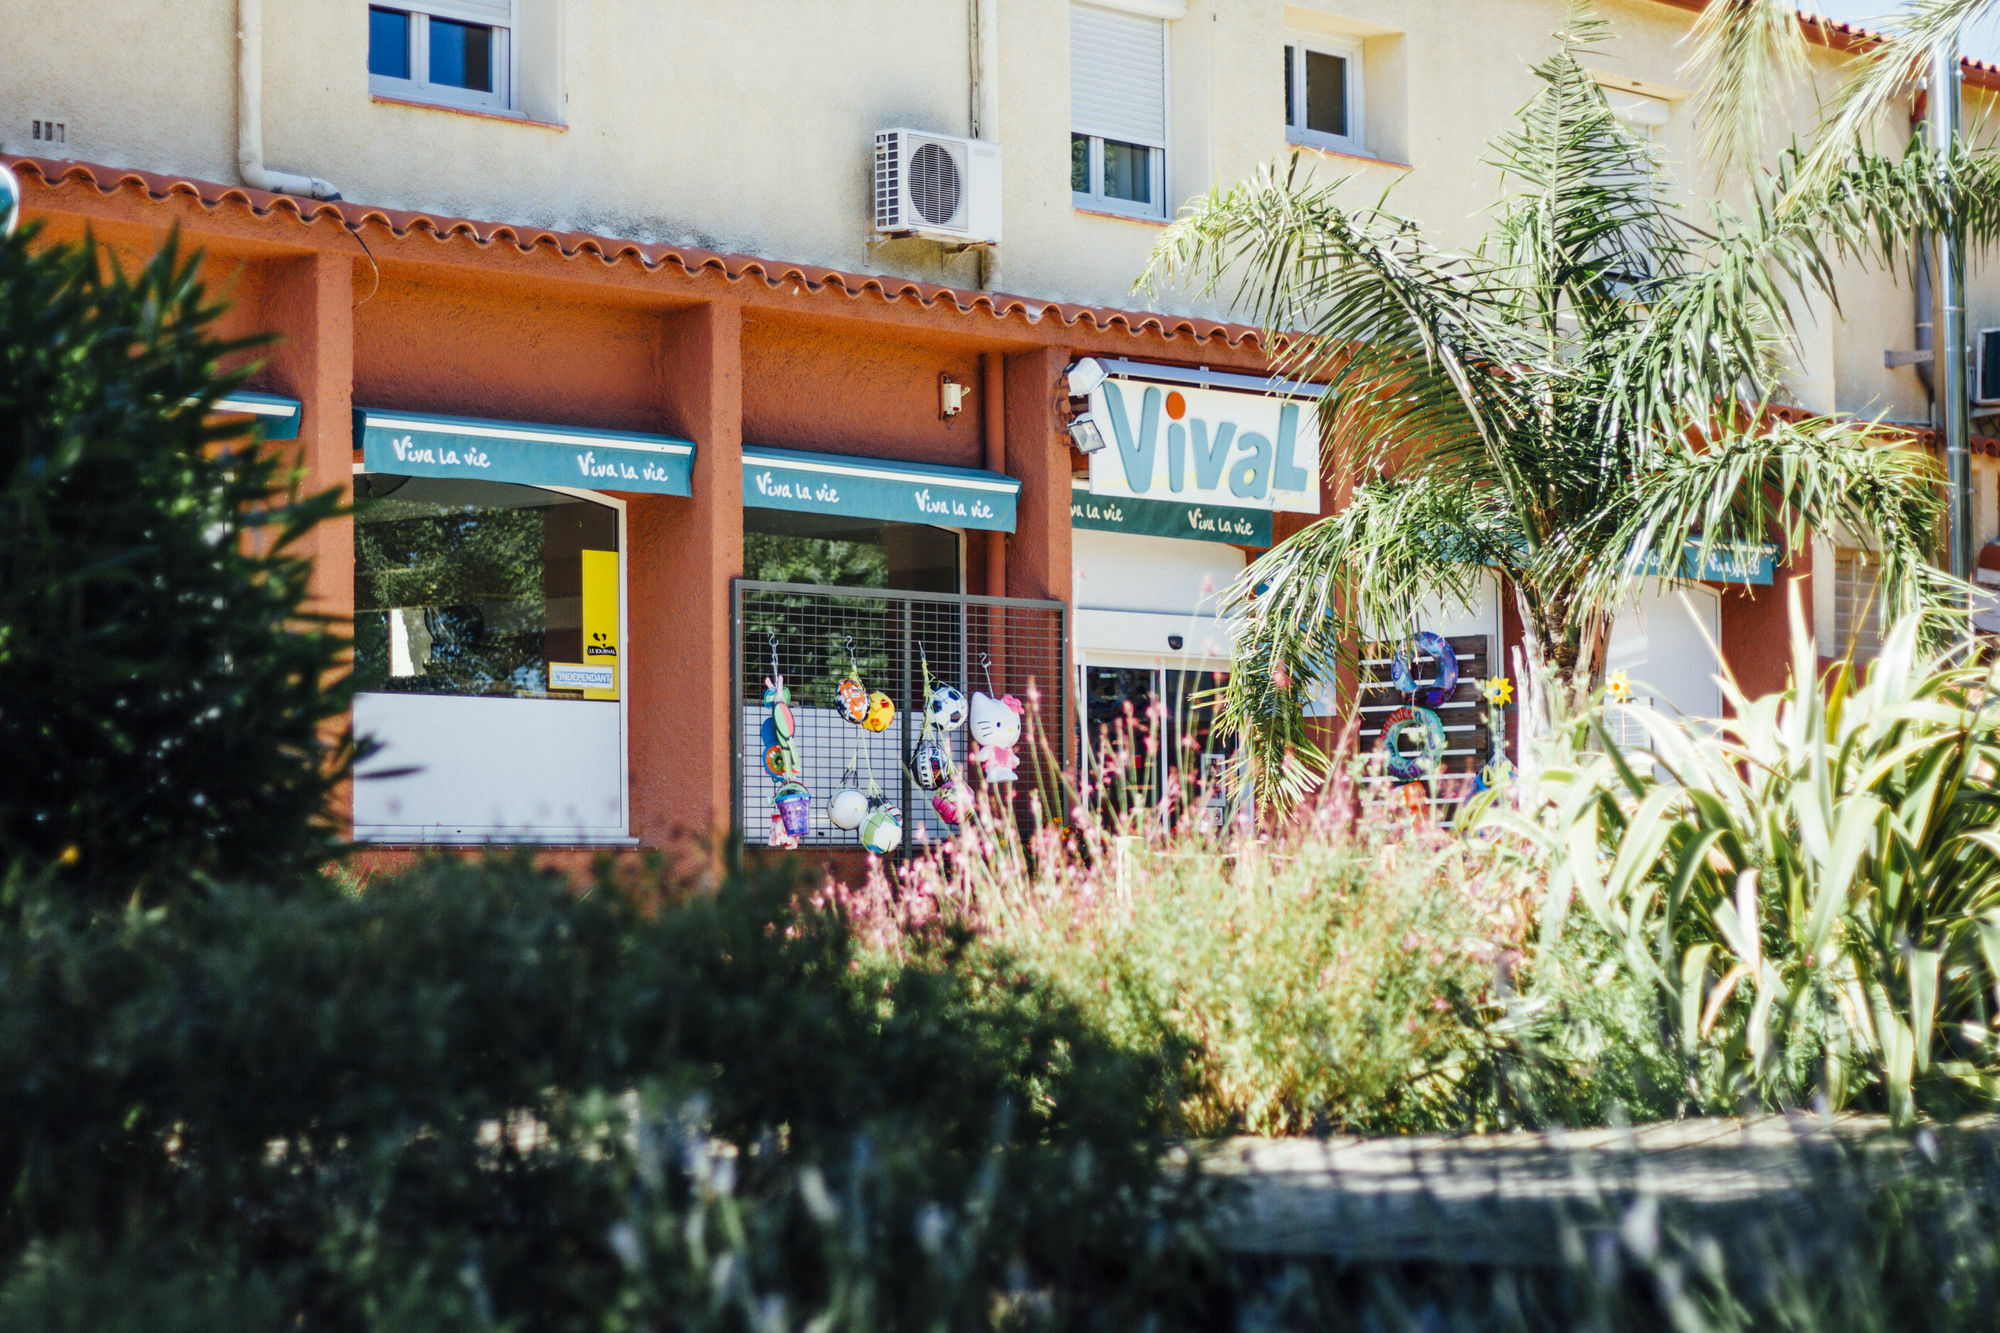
937 185
1986 369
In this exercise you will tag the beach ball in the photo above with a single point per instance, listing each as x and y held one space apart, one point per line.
850 700
847 808
882 830
930 765
881 712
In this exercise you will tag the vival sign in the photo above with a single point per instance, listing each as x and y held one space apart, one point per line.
1218 447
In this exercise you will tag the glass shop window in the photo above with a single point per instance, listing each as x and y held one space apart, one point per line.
478 588
829 550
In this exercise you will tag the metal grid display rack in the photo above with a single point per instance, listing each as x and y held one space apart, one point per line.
1021 645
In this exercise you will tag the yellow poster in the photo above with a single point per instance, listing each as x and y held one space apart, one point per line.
600 618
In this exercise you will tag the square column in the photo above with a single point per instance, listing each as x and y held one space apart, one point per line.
683 553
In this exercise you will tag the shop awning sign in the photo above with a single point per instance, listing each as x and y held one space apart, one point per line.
1167 518
279 417
1173 435
1727 562
945 497
472 448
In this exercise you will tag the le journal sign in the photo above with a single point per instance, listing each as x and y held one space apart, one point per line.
1223 447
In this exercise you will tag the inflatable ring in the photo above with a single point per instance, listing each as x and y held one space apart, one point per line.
1447 667
1410 767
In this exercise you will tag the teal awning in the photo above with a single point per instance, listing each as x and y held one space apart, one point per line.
1169 518
946 497
278 416
419 445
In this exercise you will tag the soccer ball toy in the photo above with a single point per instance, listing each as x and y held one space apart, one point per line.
946 710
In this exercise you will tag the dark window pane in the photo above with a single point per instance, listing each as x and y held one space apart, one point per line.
1326 93
834 550
389 43
462 55
469 587
1079 163
1128 172
1291 106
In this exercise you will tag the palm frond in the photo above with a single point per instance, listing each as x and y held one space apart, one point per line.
1867 96
1771 480
1748 54
1409 338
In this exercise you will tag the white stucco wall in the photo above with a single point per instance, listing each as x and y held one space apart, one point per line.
748 126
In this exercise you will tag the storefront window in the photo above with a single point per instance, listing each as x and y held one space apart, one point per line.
477 588
488 660
1148 732
837 551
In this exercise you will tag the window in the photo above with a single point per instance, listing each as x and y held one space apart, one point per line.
829 550
1118 111
1642 113
488 661
454 52
1857 604
1323 94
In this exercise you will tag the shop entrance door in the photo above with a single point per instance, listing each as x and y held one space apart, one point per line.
1149 742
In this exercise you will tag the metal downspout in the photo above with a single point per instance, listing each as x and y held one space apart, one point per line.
250 113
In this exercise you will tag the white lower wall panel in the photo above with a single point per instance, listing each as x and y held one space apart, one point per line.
546 769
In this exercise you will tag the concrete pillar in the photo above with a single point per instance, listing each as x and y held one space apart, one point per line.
308 302
683 553
1038 551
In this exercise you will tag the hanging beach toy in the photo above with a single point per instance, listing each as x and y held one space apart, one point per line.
850 697
1434 646
996 729
1411 767
794 804
848 808
952 802
946 709
930 765
882 829
881 712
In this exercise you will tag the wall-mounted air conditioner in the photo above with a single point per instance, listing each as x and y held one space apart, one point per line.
1986 369
937 185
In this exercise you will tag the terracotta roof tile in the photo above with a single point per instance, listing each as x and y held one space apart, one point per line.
572 245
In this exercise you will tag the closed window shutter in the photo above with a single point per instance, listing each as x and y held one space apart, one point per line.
499 12
1857 614
1117 76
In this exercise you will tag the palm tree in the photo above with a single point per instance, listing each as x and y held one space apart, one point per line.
1572 404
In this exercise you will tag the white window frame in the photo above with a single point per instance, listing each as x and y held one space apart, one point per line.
1355 141
1097 201
419 88
1094 199
562 834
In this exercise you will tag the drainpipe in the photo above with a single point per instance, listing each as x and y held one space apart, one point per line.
1925 361
1953 400
250 113
986 108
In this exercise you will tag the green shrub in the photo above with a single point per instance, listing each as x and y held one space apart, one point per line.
164 700
466 1098
1811 887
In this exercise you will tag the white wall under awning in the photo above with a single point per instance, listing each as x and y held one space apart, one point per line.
1133 593
544 769
1662 644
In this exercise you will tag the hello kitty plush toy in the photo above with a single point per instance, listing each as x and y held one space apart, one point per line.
995 726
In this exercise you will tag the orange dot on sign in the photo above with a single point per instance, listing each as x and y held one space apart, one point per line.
1176 406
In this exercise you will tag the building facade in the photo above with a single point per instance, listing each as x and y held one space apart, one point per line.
664 348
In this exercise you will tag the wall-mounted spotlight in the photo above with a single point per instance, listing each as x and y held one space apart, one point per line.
1084 434
1084 374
